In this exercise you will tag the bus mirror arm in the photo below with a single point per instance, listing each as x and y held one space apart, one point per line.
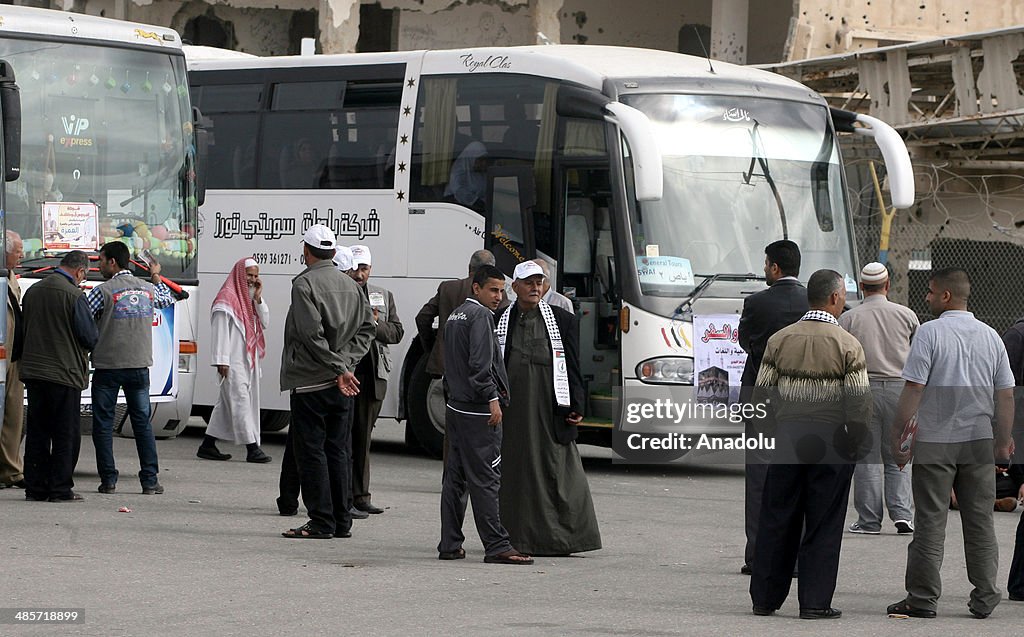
894 152
643 148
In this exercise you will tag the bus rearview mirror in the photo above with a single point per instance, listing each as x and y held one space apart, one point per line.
894 152
201 126
643 146
10 103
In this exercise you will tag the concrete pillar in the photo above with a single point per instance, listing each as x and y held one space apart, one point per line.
729 30
547 28
339 25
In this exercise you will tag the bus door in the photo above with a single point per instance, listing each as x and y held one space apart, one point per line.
511 196
587 274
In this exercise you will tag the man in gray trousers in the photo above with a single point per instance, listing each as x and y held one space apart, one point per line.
477 387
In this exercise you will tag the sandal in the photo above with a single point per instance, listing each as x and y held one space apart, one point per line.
904 609
509 557
306 532
457 554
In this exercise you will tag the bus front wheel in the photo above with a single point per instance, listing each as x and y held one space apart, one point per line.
426 409
274 419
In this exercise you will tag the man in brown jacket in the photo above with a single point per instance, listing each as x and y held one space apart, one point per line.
814 379
450 295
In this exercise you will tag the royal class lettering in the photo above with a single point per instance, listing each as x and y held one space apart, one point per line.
473 63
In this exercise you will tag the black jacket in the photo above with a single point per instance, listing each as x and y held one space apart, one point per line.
765 313
1013 339
474 373
569 331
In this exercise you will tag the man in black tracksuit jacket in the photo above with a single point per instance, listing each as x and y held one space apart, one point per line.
477 387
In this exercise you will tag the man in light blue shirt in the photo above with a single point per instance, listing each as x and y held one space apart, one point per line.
959 376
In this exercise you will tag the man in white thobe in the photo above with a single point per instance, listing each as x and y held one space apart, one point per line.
239 316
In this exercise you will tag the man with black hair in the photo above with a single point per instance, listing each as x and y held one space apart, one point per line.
958 382
59 332
764 314
328 330
123 307
814 378
477 387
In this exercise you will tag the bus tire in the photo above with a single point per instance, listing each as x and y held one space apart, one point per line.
274 419
426 409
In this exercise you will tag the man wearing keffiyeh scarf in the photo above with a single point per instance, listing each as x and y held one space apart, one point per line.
239 316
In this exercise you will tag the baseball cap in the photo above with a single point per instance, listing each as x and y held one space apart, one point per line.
343 258
873 273
320 236
526 269
360 256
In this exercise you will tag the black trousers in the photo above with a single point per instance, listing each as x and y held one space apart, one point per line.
803 510
367 408
53 439
473 469
753 487
1015 583
317 453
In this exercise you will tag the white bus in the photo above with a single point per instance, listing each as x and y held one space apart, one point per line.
108 152
651 181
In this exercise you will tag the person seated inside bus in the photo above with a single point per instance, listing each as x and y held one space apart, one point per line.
300 167
520 138
467 184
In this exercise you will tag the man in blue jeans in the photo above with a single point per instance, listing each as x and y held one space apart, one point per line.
123 307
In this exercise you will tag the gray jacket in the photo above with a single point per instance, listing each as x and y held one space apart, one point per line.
329 327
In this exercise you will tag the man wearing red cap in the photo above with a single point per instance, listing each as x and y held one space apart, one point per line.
238 318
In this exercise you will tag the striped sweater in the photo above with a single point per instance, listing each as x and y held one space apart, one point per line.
815 371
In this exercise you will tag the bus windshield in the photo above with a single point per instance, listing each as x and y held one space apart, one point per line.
739 173
107 153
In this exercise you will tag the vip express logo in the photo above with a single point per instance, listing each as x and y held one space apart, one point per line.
74 131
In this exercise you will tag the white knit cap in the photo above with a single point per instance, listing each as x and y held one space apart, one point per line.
874 273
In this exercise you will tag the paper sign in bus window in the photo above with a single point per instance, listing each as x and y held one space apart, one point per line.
664 271
70 226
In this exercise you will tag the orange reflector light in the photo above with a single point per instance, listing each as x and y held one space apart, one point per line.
187 347
624 320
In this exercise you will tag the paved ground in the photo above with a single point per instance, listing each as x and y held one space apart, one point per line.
206 558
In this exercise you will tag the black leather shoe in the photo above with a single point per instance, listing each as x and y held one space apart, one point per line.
977 613
156 489
107 488
368 507
342 534
820 613
287 508
357 514
904 608
763 611
212 453
746 569
1015 598
258 457
71 497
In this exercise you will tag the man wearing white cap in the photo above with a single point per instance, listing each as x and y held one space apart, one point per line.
885 330
238 319
545 499
372 373
328 330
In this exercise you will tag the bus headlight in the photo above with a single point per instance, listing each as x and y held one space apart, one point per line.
666 371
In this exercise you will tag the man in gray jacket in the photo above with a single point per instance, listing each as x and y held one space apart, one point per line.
329 328
477 386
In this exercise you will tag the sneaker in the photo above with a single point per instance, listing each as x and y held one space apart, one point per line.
904 527
857 528
156 489
107 488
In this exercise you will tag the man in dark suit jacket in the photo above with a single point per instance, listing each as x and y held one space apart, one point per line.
765 313
372 373
450 295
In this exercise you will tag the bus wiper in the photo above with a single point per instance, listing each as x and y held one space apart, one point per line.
759 158
686 307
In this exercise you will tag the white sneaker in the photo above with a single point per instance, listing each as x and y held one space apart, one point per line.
857 528
904 527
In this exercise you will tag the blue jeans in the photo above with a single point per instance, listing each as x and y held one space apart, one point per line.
105 385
